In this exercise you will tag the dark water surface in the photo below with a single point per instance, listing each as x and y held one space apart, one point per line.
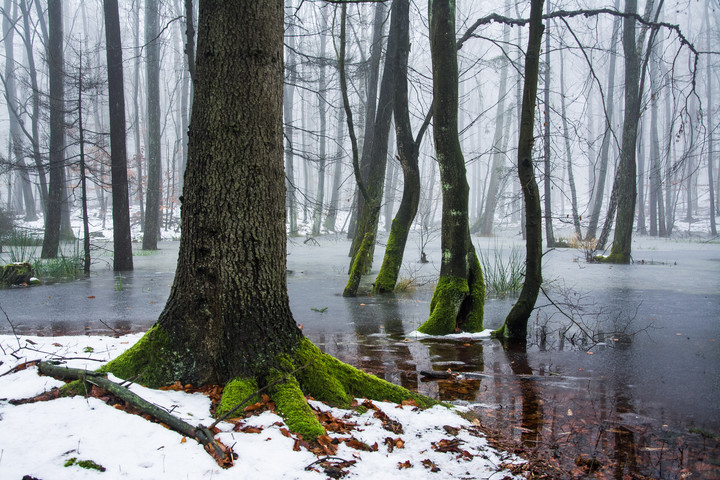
643 399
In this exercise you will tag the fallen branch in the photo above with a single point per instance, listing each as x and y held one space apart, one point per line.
203 435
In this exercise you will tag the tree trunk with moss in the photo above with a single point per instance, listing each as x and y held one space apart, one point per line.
408 152
228 317
459 297
515 327
375 179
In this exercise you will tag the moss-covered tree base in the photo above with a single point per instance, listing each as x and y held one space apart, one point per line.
360 265
305 372
457 303
614 258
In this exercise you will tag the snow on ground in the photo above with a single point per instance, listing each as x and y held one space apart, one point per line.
38 439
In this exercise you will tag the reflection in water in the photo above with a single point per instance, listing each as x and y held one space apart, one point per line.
576 410
531 422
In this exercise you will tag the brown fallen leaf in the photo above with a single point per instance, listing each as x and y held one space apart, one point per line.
430 465
362 446
404 465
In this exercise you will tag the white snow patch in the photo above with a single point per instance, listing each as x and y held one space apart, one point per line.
39 438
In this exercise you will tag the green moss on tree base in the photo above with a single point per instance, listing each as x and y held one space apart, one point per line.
388 274
290 402
151 359
236 391
445 306
361 264
615 258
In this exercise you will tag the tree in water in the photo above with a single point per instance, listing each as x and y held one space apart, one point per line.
459 296
154 176
408 151
122 241
56 156
227 320
515 327
625 177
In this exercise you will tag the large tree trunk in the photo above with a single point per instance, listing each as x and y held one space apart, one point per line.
227 320
122 241
154 146
515 327
51 240
459 296
408 151
625 177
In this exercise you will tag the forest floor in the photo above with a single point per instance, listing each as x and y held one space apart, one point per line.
76 438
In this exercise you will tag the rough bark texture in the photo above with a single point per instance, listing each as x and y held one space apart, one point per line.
228 316
122 241
408 151
515 327
459 297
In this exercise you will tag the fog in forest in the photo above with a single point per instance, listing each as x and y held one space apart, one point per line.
621 359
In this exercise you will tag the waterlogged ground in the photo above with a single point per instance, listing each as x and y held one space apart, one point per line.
637 400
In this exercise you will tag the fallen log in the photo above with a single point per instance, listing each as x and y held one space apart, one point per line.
222 454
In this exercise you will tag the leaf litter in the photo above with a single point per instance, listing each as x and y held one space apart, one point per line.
371 439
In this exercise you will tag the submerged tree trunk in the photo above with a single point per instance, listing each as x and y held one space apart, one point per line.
599 189
362 250
51 240
625 177
154 164
515 328
459 296
408 152
227 320
122 241
370 113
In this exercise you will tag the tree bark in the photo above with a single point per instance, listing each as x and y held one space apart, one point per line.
515 328
154 146
547 180
228 320
51 240
599 190
625 177
408 150
459 296
710 124
122 241
377 163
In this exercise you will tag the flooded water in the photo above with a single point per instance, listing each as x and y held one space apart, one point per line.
639 392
